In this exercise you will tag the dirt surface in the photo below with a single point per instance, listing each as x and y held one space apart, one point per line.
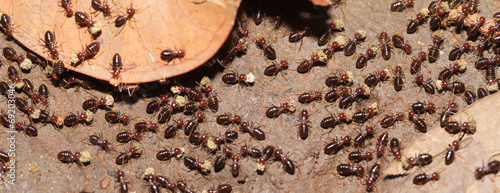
251 102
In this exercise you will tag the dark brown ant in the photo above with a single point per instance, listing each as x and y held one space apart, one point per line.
350 47
269 51
445 116
120 178
169 55
324 37
428 87
276 111
104 8
123 158
413 25
50 44
192 94
11 54
192 107
446 73
235 167
220 161
151 182
385 45
232 78
172 129
486 41
252 152
287 163
363 59
417 63
422 179
240 29
144 126
398 78
349 170
296 36
454 127
182 186
330 122
197 138
363 116
83 20
192 124
401 5
373 175
28 129
116 117
192 164
117 67
399 42
336 146
456 86
304 124
97 140
420 160
274 68
66 5
490 75
35 59
374 78
166 112
120 20
474 29
434 50
395 148
492 168
306 65
54 120
482 63
226 119
68 157
43 92
278 21
164 182
28 89
22 105
435 21
333 95
389 120
457 52
14 74
125 136
469 96
419 123
212 100
359 139
229 137
308 97
357 156
5 22
347 100
331 49
421 108
256 132
73 119
258 16
450 153
481 93
68 81
93 104
58 70
90 51
168 154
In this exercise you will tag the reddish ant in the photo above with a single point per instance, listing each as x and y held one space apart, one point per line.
197 138
50 44
83 20
434 50
226 119
256 132
373 175
374 78
336 146
347 100
6 24
359 139
250 151
422 179
90 52
94 104
330 122
169 55
421 108
446 73
269 51
97 140
274 68
192 125
308 97
73 119
456 87
232 78
276 111
220 161
457 51
363 59
350 47
419 123
428 87
445 116
172 129
144 126
166 112
382 141
294 37
413 25
116 117
474 29
104 8
66 5
68 157
389 120
193 164
28 129
455 127
363 116
117 67
417 63
492 168
399 42
304 124
288 165
169 154
401 5
385 45
420 160
125 136
349 170
333 95
124 157
357 156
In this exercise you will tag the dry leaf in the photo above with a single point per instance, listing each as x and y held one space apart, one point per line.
198 27
477 153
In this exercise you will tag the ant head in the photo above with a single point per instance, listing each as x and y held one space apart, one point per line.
369 185
69 12
361 171
410 2
19 125
369 155
262 161
422 55
181 53
465 9
492 29
453 106
262 41
431 106
119 173
277 153
154 126
304 113
105 143
380 150
174 105
208 89
370 52
131 11
317 95
242 77
397 154
441 11
177 151
286 106
137 135
81 56
124 118
347 139
204 137
437 40
482 19
200 115
34 97
8 31
235 157
315 58
44 101
420 16
335 45
333 26
371 112
383 35
133 150
435 176
245 33
228 150
203 103
83 116
17 79
465 125
237 119
102 101
78 155
342 116
53 119
284 63
244 124
411 114
370 130
455 144
383 73
400 116
407 48
179 122
419 78
467 46
360 90
4 167
358 36
150 177
456 67
411 160
444 84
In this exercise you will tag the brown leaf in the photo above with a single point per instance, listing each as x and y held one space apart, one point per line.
198 27
459 176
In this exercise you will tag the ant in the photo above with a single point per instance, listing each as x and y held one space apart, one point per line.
97 140
374 78
166 112
90 51
347 100
428 87
83 20
389 120
202 167
28 129
395 148
420 160
457 51
421 108
492 168
450 153
296 36
385 45
116 117
350 47
274 68
125 136
169 55
93 104
267 153
474 29
456 86
226 119
73 119
399 42
256 132
287 163
401 5
422 179
50 44
413 25
220 161
434 50
144 126
196 138
68 157
469 96
276 111
349 170
333 95
447 113
357 156
11 54
169 154
117 67
43 92
269 51
336 146
455 127
308 97
363 59
417 63
5 22
124 157
419 123
192 124
304 124
66 5
330 122
363 116
172 129
359 139
232 78
446 73
250 151
104 8
373 175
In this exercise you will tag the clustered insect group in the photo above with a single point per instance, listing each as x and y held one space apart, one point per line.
193 101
